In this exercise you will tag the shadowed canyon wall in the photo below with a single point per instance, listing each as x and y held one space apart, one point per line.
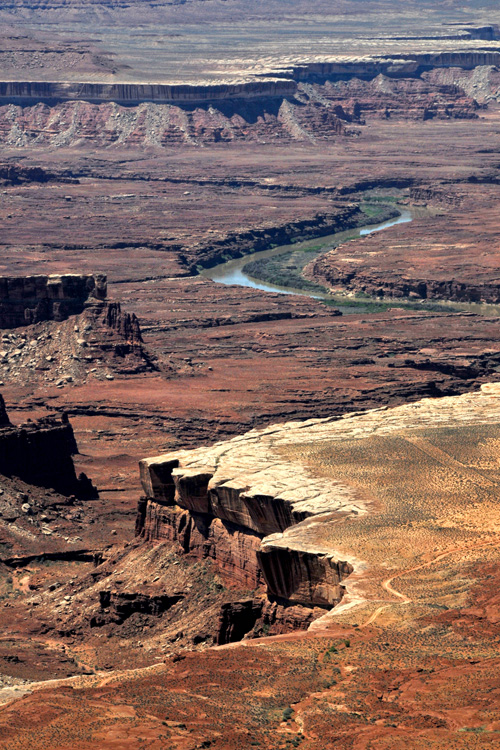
278 83
31 299
134 93
41 453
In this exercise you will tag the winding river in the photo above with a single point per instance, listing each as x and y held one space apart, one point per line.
232 272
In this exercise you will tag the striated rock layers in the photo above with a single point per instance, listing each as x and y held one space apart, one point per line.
41 453
282 82
134 93
316 100
31 299
234 503
60 326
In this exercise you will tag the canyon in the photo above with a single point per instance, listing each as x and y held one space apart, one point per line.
232 517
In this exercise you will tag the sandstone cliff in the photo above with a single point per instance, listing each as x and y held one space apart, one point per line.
41 453
234 504
252 505
134 93
32 299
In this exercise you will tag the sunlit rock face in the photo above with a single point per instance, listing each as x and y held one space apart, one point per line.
234 503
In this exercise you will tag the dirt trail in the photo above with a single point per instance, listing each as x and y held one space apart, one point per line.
405 599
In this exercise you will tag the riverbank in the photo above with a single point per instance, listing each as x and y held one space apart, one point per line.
278 268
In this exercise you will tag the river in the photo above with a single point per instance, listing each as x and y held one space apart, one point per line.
232 273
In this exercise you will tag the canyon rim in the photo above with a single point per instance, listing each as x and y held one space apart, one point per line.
249 374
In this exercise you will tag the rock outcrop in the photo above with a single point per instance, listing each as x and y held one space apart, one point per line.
324 100
256 617
41 453
31 299
116 607
234 503
232 547
259 485
279 83
55 326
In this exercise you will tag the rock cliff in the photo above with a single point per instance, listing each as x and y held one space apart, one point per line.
134 93
55 326
234 504
31 299
40 453
288 528
318 99
395 66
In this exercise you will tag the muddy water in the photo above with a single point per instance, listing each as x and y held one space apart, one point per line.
232 272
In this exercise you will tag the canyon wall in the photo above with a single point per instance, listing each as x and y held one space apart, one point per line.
234 506
326 101
238 244
278 83
31 299
395 66
41 453
339 274
134 93
4 417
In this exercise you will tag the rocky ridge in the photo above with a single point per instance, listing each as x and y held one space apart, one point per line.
315 101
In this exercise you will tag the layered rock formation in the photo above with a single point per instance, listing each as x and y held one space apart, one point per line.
257 491
77 122
60 324
234 504
41 453
396 66
279 83
31 299
315 100
134 93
